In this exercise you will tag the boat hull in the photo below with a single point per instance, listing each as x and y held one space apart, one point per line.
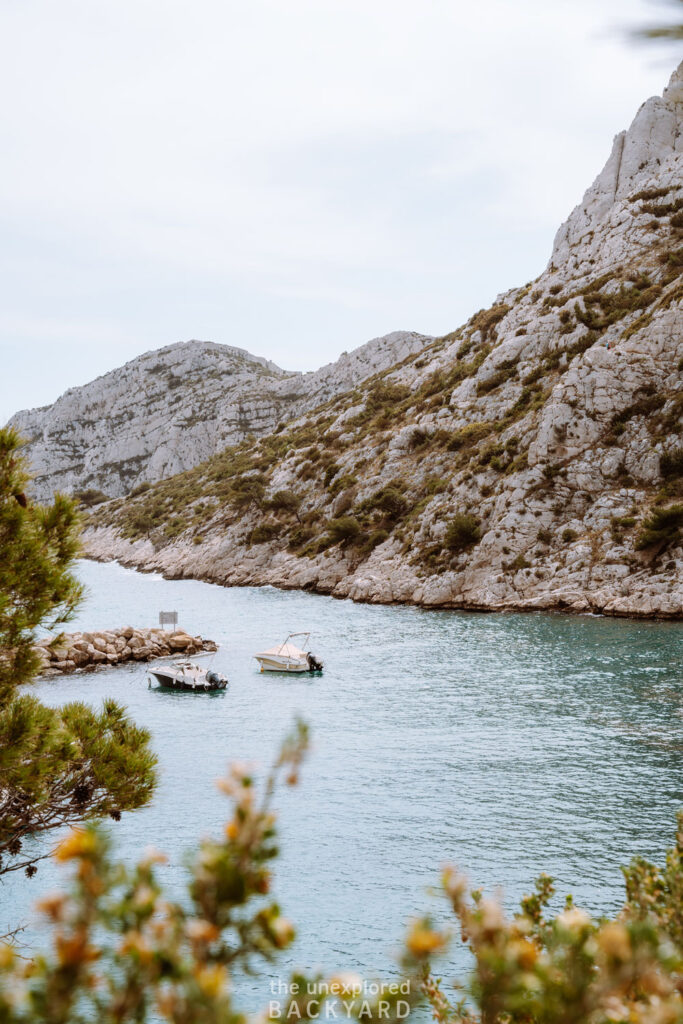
277 664
168 682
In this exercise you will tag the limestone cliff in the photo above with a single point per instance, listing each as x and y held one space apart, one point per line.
530 459
169 409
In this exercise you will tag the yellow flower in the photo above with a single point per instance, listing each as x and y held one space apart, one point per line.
492 917
6 956
211 980
135 943
75 950
282 931
614 940
143 897
423 940
524 952
232 830
79 843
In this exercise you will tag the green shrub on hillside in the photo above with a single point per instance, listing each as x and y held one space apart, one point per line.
389 500
671 463
462 532
264 532
90 497
662 526
468 436
345 528
284 501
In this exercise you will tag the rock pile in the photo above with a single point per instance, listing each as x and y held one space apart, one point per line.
85 652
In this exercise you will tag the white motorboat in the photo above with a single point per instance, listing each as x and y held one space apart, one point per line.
185 675
287 657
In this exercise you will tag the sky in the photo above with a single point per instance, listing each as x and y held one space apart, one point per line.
294 177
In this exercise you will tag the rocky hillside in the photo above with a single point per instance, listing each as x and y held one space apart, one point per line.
530 459
168 410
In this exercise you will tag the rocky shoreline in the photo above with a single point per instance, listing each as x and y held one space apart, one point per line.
90 651
640 596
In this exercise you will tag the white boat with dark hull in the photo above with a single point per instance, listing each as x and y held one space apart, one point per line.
185 675
287 657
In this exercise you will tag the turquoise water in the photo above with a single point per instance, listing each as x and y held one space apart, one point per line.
507 744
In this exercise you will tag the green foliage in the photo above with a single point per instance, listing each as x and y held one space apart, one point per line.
671 463
300 536
341 483
602 309
462 532
140 489
345 528
284 501
663 209
386 394
376 538
569 535
519 562
247 491
389 501
649 194
505 373
435 485
662 526
122 951
655 894
486 319
264 532
37 548
330 474
90 497
468 436
57 765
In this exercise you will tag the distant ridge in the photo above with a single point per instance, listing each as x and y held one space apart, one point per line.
167 410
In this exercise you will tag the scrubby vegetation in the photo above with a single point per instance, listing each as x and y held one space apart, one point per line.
661 527
462 532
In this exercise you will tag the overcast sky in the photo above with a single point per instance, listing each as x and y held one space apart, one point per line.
290 176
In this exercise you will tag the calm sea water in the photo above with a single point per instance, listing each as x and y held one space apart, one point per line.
507 744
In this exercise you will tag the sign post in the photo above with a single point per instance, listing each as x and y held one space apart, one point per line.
168 619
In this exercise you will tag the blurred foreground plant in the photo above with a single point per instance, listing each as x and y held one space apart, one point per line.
122 950
554 970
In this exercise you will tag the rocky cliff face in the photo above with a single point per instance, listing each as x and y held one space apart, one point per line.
530 459
167 410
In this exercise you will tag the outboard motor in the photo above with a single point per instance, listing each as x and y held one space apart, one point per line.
313 664
215 679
